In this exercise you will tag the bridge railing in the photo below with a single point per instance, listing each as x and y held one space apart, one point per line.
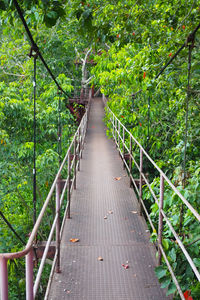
125 143
60 187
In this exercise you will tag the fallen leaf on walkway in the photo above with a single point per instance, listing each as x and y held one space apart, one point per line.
110 212
125 175
134 212
74 240
117 178
105 217
126 267
100 258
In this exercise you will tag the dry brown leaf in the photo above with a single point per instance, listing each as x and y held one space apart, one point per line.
134 212
105 217
110 212
100 258
74 240
117 178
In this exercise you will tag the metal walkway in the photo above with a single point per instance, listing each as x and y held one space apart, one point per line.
104 219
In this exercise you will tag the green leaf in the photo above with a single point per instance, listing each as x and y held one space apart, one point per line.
171 289
197 262
165 244
165 282
172 254
160 272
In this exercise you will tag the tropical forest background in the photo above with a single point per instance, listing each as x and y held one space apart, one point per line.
124 45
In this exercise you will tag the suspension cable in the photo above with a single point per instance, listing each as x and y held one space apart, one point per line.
35 47
59 129
34 144
187 110
188 40
149 120
11 228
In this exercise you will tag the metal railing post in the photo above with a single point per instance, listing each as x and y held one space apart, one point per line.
69 185
58 191
116 132
130 160
75 162
160 226
141 170
119 128
29 276
113 122
3 279
79 149
123 149
81 143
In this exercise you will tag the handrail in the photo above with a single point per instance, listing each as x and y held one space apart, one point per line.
73 166
118 132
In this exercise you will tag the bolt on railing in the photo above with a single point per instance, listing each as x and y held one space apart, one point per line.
127 144
59 186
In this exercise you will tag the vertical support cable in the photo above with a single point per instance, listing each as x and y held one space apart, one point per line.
133 98
186 131
34 143
148 131
186 114
59 129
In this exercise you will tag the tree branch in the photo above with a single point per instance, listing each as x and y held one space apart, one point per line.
12 74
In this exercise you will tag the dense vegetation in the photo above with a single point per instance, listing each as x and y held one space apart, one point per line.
131 41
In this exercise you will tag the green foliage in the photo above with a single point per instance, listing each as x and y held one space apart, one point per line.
16 135
140 38
131 41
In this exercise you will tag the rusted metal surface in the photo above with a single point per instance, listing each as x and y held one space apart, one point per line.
40 247
120 238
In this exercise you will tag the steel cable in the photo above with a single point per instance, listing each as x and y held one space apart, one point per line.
35 47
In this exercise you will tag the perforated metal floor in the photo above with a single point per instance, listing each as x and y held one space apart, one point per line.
120 239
